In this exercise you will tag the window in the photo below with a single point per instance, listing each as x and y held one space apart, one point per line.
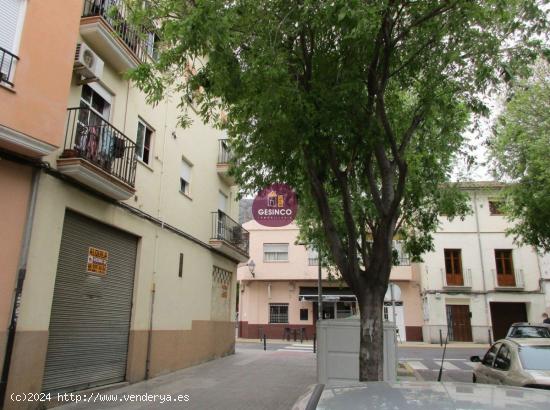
495 207
490 355
502 361
505 267
11 19
535 357
275 252
453 267
180 270
143 142
304 314
312 257
278 313
97 99
185 177
402 256
222 202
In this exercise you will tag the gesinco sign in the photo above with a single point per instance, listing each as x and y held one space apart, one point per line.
275 205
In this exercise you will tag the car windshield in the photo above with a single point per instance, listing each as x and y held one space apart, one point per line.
530 331
535 357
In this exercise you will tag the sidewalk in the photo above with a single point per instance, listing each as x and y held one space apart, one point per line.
450 345
248 380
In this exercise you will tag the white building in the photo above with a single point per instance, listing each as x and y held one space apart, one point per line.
477 282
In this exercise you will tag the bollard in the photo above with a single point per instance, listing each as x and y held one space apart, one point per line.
440 337
314 342
265 342
490 338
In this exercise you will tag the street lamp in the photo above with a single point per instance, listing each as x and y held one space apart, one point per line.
251 266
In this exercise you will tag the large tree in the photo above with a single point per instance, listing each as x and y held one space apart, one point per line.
359 105
520 148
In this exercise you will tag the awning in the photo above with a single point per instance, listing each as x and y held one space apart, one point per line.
329 294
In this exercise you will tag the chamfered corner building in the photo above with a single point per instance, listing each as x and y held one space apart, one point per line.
119 244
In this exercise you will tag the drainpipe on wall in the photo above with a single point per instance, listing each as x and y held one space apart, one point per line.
21 272
478 233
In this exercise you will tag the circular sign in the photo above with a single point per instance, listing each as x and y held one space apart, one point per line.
275 205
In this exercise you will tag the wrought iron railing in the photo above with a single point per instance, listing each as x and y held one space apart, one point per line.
224 154
116 14
508 281
90 137
8 61
313 261
226 229
466 279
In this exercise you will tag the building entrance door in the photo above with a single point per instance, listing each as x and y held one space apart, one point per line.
503 314
458 322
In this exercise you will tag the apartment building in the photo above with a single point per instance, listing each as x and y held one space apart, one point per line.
477 282
120 247
279 289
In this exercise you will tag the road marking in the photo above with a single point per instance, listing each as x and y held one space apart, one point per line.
471 364
449 366
416 365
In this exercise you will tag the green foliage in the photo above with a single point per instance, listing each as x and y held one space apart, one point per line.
520 148
360 106
298 82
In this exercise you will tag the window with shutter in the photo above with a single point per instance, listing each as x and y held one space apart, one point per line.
275 252
185 177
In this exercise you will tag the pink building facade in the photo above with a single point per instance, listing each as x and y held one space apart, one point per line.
278 297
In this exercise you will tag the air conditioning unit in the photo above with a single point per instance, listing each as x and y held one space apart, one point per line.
87 63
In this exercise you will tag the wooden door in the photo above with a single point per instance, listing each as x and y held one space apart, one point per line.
453 267
458 320
505 267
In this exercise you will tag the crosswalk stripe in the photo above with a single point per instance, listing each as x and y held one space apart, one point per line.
417 365
471 364
450 366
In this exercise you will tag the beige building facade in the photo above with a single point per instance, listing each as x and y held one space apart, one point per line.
130 266
278 297
477 281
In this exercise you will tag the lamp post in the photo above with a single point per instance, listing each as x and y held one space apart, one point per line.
251 266
319 289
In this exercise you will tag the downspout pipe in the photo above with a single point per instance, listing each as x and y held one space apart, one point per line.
21 273
478 233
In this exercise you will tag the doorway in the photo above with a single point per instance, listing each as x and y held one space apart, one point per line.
459 324
503 314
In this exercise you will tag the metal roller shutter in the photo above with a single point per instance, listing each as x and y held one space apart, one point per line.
90 317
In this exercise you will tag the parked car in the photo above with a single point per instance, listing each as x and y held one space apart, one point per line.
515 362
421 396
528 330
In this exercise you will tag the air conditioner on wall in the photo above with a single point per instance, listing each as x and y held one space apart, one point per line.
87 64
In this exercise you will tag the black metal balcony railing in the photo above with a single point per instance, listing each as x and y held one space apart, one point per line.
224 154
90 137
116 13
226 229
7 66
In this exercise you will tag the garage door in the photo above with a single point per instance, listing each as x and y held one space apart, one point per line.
90 317
503 314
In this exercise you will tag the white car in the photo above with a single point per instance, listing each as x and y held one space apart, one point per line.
515 362
421 396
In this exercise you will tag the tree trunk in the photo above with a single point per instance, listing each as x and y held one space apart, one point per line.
371 353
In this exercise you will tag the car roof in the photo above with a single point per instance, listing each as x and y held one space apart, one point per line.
430 395
531 341
530 324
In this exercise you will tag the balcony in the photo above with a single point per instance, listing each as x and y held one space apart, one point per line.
509 281
98 155
105 27
224 158
7 67
229 237
457 282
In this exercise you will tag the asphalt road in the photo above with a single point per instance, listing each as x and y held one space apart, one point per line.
424 361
